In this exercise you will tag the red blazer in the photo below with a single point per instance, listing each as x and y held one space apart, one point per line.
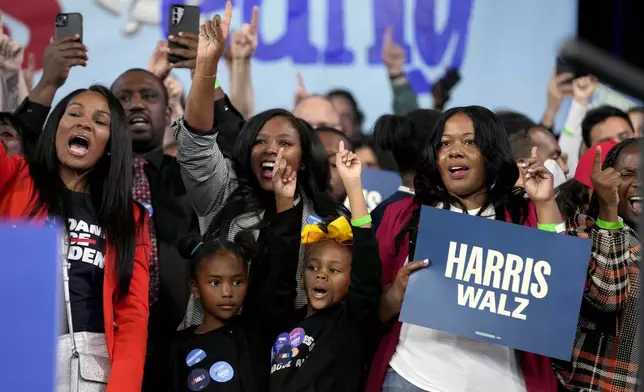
537 369
126 320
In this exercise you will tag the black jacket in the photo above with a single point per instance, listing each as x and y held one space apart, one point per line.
325 352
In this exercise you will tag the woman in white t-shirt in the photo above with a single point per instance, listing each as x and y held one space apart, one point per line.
467 167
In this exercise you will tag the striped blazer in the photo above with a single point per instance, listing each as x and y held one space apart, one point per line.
210 180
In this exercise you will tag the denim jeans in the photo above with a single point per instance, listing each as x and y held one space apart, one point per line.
394 382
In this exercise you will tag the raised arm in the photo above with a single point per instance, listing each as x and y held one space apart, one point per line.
608 285
206 173
60 56
242 46
364 287
393 56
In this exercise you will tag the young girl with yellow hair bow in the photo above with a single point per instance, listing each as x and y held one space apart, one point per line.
323 350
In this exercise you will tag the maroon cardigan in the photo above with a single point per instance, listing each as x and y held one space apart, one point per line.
537 370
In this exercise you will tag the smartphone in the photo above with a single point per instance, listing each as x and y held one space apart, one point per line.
564 66
68 25
183 19
451 79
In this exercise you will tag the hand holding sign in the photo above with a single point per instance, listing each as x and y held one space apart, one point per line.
213 36
398 288
284 182
537 180
606 183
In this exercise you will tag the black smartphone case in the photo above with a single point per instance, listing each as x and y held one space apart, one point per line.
72 26
182 22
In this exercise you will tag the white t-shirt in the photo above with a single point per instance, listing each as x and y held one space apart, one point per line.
440 362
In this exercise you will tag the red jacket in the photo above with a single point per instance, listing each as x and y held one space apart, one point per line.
126 320
537 369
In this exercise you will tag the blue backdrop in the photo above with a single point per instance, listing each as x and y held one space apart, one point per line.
505 48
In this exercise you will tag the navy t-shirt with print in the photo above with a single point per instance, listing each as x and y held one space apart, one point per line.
206 362
86 254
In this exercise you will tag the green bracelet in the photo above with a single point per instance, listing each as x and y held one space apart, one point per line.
216 83
552 227
361 221
610 225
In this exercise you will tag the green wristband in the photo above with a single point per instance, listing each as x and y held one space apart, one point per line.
609 225
552 227
216 83
567 132
361 221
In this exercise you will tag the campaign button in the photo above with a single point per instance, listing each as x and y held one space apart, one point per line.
297 337
284 355
195 356
281 340
222 371
198 380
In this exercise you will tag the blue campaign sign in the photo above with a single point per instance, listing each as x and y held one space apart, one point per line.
30 298
497 282
378 185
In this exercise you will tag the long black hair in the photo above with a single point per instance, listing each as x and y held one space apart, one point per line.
109 183
501 171
312 179
610 161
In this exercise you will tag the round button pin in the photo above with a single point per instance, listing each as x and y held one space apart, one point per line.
281 340
296 337
222 371
198 380
284 355
195 356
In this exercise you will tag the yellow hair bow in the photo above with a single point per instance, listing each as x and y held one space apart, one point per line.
339 230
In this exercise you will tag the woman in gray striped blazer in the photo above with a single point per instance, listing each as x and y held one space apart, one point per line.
231 195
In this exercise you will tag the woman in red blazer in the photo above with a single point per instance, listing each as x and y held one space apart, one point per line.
80 174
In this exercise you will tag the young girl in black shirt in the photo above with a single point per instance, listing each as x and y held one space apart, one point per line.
323 350
230 352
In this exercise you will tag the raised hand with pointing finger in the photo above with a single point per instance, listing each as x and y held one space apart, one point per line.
606 183
301 92
393 55
245 41
213 36
348 165
537 180
284 182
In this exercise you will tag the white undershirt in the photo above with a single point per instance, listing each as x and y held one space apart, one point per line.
440 362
